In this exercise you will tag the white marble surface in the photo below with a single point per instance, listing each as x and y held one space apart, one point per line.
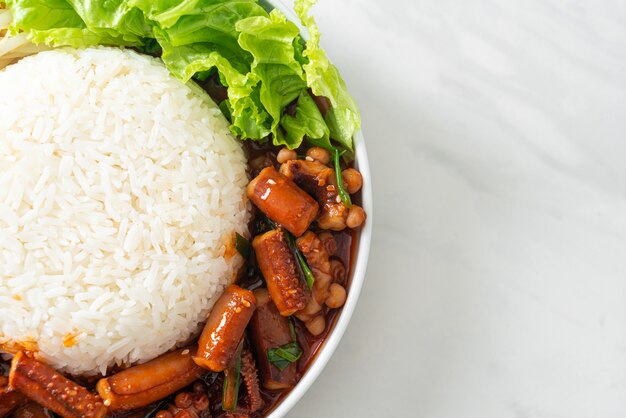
497 281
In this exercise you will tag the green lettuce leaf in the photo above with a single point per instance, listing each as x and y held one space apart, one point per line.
114 17
31 15
77 38
270 41
308 122
324 79
166 13
260 57
78 23
197 38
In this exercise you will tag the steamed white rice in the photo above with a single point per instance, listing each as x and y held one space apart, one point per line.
120 193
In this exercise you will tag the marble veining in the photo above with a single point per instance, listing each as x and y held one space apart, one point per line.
497 279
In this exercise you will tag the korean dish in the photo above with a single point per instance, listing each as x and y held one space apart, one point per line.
178 208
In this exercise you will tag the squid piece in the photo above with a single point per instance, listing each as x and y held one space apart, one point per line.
326 271
319 180
278 265
141 385
251 381
269 329
224 328
318 259
52 390
282 201
311 310
328 241
186 405
10 400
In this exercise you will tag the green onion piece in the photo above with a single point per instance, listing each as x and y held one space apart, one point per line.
306 270
284 355
232 380
269 224
243 246
343 193
226 110
292 328
308 274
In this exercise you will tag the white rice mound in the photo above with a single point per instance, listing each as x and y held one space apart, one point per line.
121 189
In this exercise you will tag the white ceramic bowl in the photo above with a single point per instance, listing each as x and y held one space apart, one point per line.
357 272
